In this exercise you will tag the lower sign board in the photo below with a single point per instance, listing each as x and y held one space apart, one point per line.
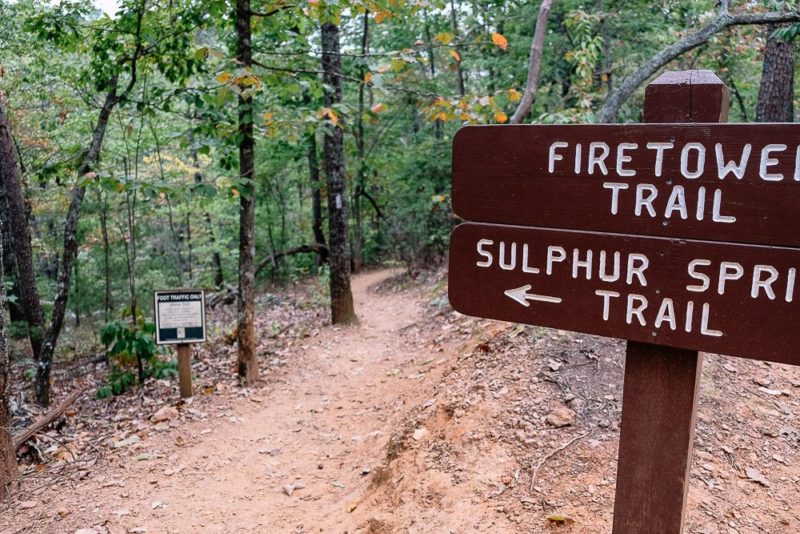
180 316
715 297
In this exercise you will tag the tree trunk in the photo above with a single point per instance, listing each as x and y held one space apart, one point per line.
776 94
461 84
106 259
534 64
358 231
437 124
71 249
342 309
316 198
8 460
248 362
21 238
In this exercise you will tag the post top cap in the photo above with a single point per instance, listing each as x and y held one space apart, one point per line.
690 77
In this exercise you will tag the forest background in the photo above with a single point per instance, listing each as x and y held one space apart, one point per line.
229 145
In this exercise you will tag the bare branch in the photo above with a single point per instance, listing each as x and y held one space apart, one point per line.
534 64
629 85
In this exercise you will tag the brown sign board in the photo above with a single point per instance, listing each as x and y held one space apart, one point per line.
717 182
698 295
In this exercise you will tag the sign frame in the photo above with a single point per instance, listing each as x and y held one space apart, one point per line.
180 341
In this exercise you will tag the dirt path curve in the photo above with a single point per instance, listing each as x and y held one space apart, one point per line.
319 430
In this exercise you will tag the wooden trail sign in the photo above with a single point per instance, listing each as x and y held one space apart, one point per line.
181 320
716 297
678 237
675 180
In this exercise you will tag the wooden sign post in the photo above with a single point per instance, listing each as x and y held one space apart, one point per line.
676 235
181 320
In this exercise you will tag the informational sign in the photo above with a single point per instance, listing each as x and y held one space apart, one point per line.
180 316
718 182
714 297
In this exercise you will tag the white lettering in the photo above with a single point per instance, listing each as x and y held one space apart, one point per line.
597 161
728 270
638 271
525 267
486 254
701 160
677 202
666 313
508 266
767 161
554 255
577 263
605 277
615 189
636 310
622 158
607 295
766 285
704 329
645 201
717 206
659 148
706 281
553 157
731 166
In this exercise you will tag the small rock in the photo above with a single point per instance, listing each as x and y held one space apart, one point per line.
560 416
288 489
130 440
366 470
773 392
87 531
63 512
167 413
419 433
27 505
756 476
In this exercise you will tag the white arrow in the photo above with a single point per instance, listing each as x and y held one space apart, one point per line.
522 296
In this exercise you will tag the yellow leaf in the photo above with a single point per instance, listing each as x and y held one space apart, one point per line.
381 16
500 117
444 38
442 116
224 77
234 191
514 95
499 40
455 55
368 77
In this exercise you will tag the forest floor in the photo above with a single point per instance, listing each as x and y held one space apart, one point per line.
418 419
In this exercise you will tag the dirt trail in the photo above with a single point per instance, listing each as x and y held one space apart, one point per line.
315 432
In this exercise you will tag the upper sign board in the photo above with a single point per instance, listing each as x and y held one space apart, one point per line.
717 182
180 316
699 295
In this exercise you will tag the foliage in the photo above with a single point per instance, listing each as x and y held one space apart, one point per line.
131 346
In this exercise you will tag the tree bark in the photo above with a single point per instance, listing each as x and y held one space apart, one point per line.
20 237
534 64
8 460
361 178
247 359
461 82
630 84
342 309
106 258
776 93
316 198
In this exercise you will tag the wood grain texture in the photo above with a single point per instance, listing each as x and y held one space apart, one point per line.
759 328
185 370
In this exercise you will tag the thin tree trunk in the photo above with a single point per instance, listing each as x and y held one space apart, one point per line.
723 20
437 124
342 309
71 249
106 259
358 231
461 84
8 460
248 362
216 259
76 297
534 64
776 93
8 265
316 199
21 238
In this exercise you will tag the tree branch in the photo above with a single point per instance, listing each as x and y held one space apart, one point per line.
534 64
629 85
316 248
